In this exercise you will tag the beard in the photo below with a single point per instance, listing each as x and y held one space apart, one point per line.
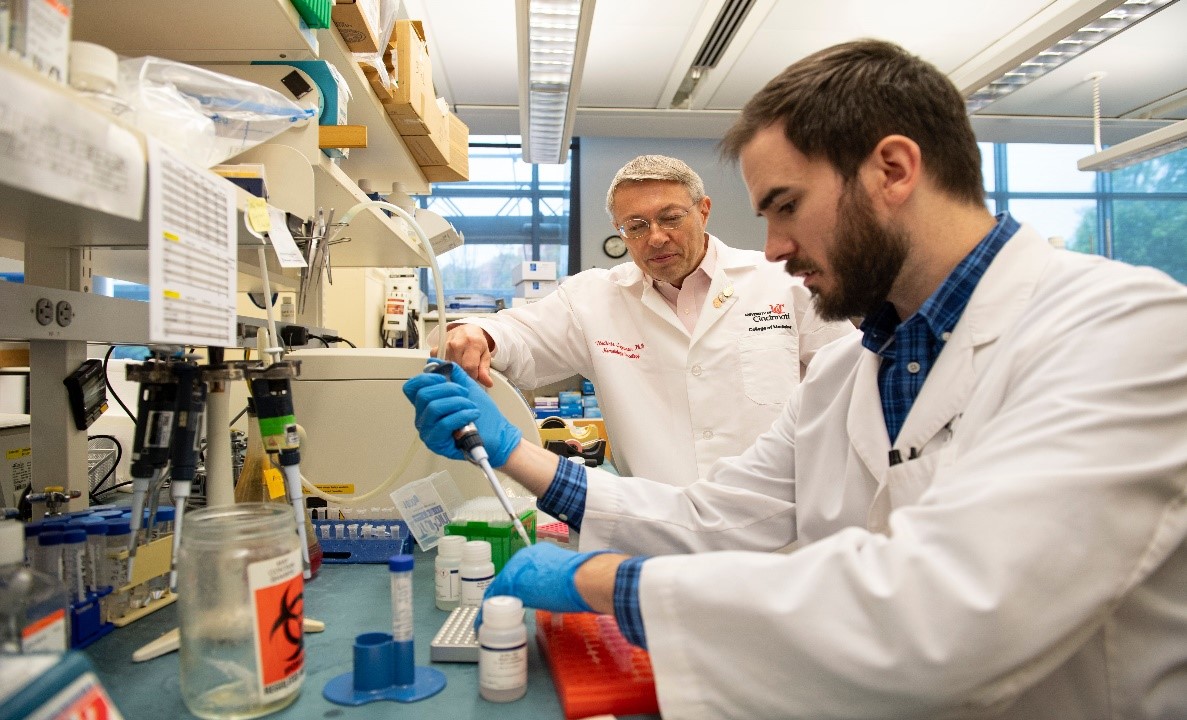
865 259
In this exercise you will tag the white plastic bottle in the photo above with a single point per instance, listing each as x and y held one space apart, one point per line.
448 571
33 604
503 650
477 572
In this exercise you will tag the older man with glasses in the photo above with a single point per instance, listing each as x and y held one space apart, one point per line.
693 348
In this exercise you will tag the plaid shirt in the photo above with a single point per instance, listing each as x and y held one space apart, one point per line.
909 349
918 340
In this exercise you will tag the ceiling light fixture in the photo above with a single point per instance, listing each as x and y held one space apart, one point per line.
553 36
1051 43
1140 149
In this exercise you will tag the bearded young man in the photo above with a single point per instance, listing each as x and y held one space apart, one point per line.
990 482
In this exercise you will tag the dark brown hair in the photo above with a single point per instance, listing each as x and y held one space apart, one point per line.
840 102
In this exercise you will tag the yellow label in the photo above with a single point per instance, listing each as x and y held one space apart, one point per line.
257 215
18 453
337 489
172 237
275 482
172 294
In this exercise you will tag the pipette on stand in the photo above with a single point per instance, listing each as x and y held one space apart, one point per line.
187 434
151 441
273 396
469 442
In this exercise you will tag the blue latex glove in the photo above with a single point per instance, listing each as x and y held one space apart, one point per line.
542 576
445 405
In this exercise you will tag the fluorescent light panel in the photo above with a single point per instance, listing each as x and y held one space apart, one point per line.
553 35
1125 15
1139 149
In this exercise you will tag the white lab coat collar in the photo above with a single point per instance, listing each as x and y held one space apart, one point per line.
1003 293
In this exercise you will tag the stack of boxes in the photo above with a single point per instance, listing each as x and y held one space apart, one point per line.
533 280
435 137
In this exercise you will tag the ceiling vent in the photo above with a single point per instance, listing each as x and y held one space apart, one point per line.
725 27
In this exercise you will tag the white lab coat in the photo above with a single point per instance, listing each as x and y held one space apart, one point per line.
1030 565
673 404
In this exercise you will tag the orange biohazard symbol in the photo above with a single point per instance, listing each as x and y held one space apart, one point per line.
281 612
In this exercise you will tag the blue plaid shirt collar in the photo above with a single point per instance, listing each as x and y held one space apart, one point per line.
920 338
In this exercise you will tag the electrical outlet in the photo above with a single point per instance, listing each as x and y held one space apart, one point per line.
44 311
65 313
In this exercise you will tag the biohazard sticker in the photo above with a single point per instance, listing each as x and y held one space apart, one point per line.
278 597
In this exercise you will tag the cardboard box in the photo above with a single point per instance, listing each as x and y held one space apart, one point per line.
16 462
357 22
533 270
431 149
535 288
407 56
458 167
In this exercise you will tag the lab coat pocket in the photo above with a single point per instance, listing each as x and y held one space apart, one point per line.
907 481
770 366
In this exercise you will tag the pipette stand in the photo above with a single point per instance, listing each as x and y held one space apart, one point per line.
383 670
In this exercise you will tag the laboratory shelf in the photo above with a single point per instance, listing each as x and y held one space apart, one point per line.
385 159
197 31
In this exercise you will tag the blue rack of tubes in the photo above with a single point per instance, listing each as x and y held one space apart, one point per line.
362 541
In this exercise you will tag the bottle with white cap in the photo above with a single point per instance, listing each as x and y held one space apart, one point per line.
94 72
503 650
33 615
448 571
477 572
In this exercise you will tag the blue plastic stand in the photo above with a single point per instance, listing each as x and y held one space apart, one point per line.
86 623
383 670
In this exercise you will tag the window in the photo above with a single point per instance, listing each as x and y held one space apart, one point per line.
1137 215
510 211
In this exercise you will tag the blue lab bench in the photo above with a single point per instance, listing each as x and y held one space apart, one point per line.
350 599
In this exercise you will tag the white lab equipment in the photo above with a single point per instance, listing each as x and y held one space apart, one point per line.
359 426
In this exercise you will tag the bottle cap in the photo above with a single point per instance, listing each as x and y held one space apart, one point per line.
74 535
118 527
476 551
50 537
450 546
166 513
502 611
399 563
94 526
12 542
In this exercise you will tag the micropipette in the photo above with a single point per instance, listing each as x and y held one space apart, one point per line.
469 442
187 436
152 438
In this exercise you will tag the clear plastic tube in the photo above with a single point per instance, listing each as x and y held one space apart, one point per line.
401 580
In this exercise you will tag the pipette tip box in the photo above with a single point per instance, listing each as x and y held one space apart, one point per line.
504 539
595 670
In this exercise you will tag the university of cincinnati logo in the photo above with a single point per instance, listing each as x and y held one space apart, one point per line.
769 319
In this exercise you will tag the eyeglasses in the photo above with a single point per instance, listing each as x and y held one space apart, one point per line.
638 227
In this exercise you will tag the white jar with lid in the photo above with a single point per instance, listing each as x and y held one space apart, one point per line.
477 572
239 573
503 650
448 571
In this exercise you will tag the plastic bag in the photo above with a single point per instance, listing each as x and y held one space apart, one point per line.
388 10
206 116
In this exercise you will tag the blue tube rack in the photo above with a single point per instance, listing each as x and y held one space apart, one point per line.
362 541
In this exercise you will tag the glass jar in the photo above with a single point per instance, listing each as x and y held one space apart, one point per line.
241 610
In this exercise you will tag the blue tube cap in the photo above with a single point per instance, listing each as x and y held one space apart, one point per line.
400 563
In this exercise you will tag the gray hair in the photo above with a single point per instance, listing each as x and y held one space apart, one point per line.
656 167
